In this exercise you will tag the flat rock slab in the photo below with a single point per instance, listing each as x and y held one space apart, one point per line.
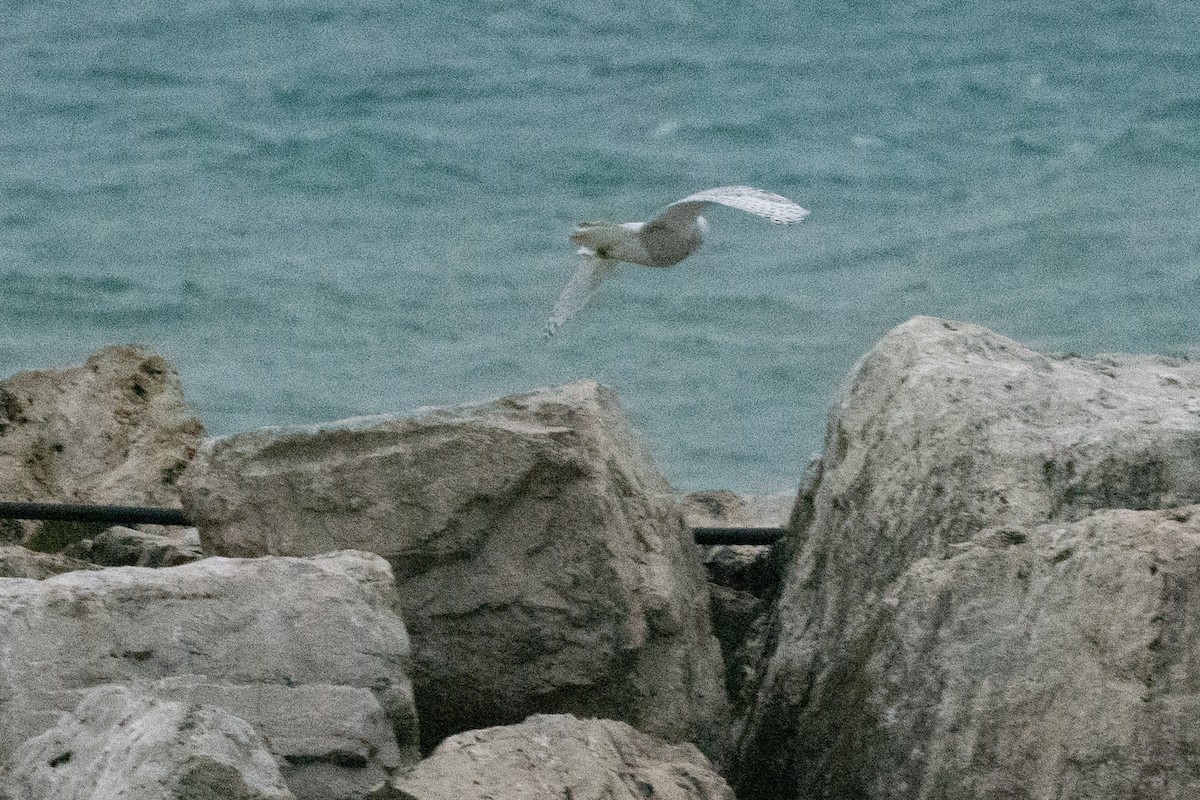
540 557
950 443
723 508
328 620
549 757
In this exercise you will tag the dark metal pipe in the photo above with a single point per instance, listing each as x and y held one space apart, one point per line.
133 515
81 512
760 536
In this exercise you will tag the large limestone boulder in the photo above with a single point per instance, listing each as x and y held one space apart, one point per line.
541 559
920 640
1058 665
549 757
271 624
122 743
115 430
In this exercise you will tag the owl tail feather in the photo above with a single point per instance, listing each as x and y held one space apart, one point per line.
590 272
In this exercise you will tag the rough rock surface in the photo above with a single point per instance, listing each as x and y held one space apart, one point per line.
21 562
722 508
1060 665
119 546
933 638
287 622
555 756
739 621
540 557
746 569
743 582
334 742
114 430
122 743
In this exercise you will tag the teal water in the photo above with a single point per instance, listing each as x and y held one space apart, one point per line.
321 210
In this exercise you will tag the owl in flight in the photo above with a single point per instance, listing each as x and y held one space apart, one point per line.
664 241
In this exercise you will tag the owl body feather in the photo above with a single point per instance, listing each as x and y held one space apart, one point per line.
652 244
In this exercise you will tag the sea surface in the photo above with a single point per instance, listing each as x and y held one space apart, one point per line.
318 210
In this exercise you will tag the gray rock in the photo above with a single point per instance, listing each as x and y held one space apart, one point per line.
950 442
21 562
540 557
557 756
748 569
114 430
333 742
743 582
119 546
723 508
739 623
120 742
287 622
1053 664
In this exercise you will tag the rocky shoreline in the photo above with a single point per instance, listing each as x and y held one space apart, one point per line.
984 592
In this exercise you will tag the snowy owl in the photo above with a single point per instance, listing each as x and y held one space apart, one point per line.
664 241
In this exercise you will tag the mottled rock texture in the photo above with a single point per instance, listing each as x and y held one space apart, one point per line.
121 743
550 757
984 596
541 558
723 508
262 626
743 583
120 546
21 562
1060 664
333 742
115 430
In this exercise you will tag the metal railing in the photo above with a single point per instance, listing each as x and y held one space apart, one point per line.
82 512
133 515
